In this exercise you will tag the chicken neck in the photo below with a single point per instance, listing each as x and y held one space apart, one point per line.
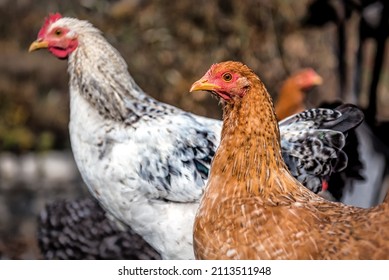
99 74
250 152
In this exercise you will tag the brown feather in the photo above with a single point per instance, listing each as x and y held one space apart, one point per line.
254 209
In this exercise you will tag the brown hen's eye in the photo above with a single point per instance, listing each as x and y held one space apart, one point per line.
58 32
227 77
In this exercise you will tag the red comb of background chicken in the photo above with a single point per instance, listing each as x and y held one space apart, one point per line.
49 20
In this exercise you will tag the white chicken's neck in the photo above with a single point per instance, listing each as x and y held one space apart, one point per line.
99 73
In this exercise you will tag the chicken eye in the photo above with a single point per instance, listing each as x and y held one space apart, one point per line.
227 77
58 32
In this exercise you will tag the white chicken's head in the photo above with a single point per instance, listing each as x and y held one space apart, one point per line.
60 35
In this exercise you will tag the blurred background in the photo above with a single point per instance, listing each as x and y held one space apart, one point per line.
168 45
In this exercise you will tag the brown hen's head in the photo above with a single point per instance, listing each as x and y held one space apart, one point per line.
228 80
305 79
59 35
292 93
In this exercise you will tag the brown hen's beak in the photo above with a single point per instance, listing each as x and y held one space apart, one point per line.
203 84
38 44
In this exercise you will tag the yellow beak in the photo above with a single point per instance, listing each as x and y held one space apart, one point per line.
203 84
317 80
38 44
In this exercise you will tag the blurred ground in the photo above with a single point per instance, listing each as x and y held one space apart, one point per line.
167 45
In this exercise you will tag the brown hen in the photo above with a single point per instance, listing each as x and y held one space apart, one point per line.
253 208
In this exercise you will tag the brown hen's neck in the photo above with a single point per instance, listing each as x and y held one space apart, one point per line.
249 153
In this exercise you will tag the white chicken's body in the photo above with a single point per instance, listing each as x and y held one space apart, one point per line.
137 167
108 162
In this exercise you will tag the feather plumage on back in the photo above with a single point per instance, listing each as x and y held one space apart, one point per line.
253 208
146 162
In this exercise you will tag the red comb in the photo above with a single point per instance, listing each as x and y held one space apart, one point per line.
48 20
311 71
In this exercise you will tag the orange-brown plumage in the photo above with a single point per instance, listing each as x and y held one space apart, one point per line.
291 97
253 208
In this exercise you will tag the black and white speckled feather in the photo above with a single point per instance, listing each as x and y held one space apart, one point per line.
79 229
147 162
312 142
